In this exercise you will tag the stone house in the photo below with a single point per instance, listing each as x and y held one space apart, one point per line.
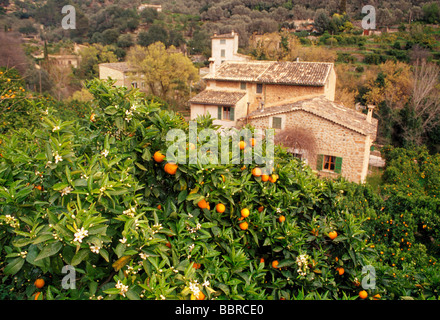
342 136
238 88
121 72
224 47
284 95
157 7
64 60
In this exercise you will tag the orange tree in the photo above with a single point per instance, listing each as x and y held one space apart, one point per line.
89 194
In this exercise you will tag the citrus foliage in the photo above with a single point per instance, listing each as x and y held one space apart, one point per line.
89 194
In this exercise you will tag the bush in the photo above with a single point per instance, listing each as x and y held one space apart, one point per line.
90 196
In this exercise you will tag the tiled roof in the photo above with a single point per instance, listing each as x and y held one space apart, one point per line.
120 66
224 35
216 97
322 107
274 72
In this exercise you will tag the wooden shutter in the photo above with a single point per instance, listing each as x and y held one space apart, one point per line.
338 165
232 114
219 113
319 162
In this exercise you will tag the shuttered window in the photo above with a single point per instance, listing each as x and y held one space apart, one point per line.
226 113
330 163
338 165
277 122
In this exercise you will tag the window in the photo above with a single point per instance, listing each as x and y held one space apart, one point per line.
134 84
243 85
277 122
223 53
330 163
222 41
259 88
226 113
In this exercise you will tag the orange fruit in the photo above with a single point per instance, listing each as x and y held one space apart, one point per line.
39 188
36 295
273 178
260 209
256 172
171 168
201 296
363 294
196 265
158 157
282 219
244 225
275 264
332 234
203 204
242 145
253 142
262 260
377 297
168 244
39 283
159 207
264 177
340 270
220 208
245 212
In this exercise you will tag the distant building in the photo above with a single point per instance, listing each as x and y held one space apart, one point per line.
64 60
122 73
224 47
157 7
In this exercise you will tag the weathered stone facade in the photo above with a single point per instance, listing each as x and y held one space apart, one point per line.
334 136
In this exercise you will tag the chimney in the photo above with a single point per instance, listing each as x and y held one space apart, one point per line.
297 59
211 65
370 113
233 33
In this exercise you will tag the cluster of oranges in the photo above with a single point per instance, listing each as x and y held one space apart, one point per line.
39 284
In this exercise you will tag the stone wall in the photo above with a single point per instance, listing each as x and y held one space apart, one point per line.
105 72
331 139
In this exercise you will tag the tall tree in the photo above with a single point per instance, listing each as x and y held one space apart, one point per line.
163 71
424 105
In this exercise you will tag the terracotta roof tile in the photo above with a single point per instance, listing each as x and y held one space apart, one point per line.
216 97
274 72
322 107
120 66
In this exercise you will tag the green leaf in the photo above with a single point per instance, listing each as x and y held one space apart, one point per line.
60 186
141 166
195 197
104 254
22 242
14 266
49 250
79 257
43 238
286 263
182 196
112 291
208 224
132 295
